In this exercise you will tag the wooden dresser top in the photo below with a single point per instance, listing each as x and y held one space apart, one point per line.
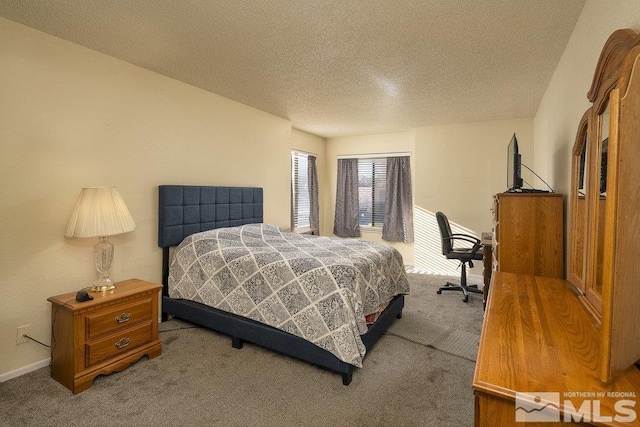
537 337
124 289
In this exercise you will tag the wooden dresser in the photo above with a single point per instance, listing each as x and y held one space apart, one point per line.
538 338
103 335
528 233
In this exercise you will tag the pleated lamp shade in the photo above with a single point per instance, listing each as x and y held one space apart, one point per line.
99 212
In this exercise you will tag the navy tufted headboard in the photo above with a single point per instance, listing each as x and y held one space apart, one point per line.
187 209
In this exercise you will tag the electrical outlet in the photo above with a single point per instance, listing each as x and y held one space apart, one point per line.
23 330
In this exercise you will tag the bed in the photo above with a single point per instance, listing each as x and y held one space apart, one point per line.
343 281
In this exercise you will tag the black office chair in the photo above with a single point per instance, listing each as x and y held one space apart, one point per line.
463 254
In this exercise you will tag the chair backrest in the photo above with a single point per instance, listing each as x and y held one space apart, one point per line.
445 233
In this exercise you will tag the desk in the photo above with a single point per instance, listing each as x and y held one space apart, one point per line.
537 337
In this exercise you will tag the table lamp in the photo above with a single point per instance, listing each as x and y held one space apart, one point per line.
100 212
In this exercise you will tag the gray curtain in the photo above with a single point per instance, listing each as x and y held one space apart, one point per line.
346 222
398 213
314 209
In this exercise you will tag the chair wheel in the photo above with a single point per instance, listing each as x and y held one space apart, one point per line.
465 299
439 291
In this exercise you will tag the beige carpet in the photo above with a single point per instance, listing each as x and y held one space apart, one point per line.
201 380
443 321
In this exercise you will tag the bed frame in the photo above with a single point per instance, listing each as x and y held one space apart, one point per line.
184 210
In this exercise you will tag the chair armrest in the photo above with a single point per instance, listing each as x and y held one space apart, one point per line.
477 243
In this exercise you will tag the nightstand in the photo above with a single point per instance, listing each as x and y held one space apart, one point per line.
103 335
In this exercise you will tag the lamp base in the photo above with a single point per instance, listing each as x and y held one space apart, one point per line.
103 255
103 285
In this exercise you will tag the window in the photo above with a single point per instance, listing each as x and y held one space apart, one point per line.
300 201
372 182
362 197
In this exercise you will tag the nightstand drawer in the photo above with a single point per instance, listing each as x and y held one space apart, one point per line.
119 317
119 343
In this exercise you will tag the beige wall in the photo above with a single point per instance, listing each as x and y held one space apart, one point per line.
565 99
459 169
72 117
455 169
368 144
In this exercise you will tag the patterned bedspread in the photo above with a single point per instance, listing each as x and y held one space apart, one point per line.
318 288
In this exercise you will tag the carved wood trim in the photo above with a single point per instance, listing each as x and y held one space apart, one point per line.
582 131
627 70
577 217
609 66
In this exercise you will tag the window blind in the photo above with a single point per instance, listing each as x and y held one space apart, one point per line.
300 201
372 181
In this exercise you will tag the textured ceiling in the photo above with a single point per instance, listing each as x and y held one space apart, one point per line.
334 68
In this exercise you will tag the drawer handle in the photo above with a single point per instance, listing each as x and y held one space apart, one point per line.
123 343
124 317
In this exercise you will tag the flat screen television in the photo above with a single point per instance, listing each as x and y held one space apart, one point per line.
514 177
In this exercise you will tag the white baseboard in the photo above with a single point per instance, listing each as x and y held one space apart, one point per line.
33 367
24 370
412 269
